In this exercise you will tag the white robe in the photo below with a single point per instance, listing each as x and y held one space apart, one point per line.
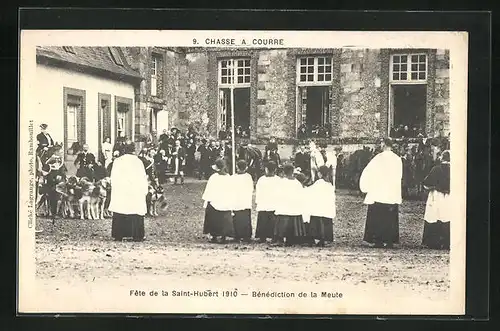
289 200
129 186
438 207
381 179
320 200
266 192
242 189
218 192
107 151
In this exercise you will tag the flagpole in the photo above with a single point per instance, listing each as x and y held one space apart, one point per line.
233 144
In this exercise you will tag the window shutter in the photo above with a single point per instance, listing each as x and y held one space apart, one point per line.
153 86
81 122
106 121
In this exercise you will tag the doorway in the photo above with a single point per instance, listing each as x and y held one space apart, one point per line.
314 106
241 108
409 105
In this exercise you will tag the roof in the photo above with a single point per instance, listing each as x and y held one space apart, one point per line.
98 60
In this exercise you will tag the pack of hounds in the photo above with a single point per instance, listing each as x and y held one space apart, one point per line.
74 197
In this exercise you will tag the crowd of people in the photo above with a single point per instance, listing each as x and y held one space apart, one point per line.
295 200
296 209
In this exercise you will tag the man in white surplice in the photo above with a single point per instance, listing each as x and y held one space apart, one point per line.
381 181
129 186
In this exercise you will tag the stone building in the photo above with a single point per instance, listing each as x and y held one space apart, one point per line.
355 94
84 95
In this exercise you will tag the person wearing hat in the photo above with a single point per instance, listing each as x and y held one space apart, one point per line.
44 139
85 162
438 206
218 204
129 187
381 181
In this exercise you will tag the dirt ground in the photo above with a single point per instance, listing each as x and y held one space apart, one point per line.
77 252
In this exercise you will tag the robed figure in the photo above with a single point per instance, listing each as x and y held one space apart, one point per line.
316 160
438 207
129 187
381 181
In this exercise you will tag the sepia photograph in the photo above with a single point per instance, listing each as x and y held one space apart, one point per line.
242 172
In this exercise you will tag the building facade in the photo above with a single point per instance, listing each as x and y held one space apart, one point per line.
356 95
85 94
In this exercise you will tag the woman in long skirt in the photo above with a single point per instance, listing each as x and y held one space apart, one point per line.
218 204
321 206
129 187
242 189
437 210
265 199
289 226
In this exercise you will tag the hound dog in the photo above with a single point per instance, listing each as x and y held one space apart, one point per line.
84 202
98 198
154 197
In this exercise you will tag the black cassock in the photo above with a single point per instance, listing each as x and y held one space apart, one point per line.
303 161
85 163
254 160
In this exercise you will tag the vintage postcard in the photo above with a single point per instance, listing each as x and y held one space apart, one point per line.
255 172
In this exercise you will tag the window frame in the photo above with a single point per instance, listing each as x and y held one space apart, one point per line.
81 128
316 72
408 70
234 77
153 77
128 115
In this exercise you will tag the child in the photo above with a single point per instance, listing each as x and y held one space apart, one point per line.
242 192
321 207
218 204
437 210
303 179
289 225
265 196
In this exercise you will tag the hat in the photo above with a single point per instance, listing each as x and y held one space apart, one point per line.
43 126
219 165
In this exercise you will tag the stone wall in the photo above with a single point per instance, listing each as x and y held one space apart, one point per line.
360 90
442 92
272 114
360 83
195 102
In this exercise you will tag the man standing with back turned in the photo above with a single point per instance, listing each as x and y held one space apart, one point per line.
381 181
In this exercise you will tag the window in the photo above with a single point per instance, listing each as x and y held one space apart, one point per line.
115 55
234 72
69 49
315 69
153 120
234 91
74 121
155 74
124 117
120 123
409 67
